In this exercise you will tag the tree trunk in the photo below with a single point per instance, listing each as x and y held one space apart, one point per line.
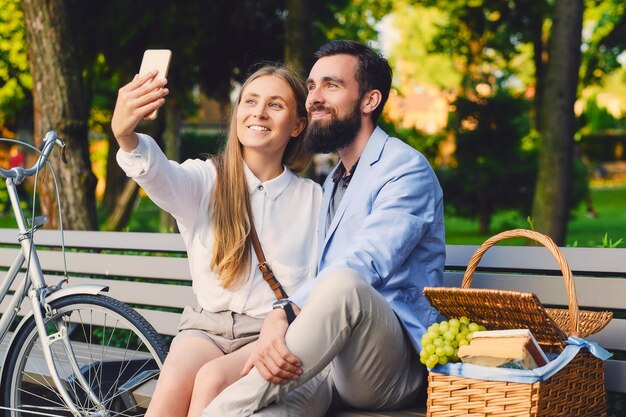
60 104
539 59
551 203
298 42
484 221
124 204
115 178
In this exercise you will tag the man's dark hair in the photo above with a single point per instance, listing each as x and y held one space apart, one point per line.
373 73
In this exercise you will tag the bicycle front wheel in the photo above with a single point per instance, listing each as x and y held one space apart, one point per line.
117 356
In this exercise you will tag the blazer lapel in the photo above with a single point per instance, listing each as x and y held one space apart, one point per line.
371 155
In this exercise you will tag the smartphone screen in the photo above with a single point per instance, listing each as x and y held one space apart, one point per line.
155 59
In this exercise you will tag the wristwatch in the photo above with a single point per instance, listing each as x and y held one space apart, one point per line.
285 304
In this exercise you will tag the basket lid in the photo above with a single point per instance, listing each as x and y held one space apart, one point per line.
501 310
498 310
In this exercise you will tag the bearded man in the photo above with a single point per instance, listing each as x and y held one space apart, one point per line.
358 324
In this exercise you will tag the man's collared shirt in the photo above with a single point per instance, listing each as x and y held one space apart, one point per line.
341 180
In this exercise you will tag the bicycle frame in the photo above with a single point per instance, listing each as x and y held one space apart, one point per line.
40 293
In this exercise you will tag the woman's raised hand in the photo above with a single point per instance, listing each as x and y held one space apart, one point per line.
136 100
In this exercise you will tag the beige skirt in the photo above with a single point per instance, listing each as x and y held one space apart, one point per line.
229 331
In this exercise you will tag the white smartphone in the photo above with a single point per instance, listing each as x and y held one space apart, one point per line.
155 59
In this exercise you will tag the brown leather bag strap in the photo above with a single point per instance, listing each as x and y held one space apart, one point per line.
266 271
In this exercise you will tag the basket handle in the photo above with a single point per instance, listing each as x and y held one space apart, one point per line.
572 301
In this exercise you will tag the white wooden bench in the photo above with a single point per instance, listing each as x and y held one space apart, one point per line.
161 281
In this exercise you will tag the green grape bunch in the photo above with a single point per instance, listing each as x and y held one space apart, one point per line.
440 344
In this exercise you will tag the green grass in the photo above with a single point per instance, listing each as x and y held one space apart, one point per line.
583 231
610 203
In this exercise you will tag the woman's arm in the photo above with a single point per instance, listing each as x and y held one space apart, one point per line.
136 100
175 188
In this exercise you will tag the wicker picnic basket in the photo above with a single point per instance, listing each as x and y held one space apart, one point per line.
576 390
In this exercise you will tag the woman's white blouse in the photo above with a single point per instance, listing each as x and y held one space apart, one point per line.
285 211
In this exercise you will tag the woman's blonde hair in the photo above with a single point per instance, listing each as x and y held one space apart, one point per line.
231 199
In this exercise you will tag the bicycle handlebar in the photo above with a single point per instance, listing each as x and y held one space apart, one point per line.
19 173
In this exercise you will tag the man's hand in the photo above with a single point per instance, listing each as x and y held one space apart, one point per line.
271 357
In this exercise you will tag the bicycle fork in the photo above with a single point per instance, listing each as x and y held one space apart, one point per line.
61 336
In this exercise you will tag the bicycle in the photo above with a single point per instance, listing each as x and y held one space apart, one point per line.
76 352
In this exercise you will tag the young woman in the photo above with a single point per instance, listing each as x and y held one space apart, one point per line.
209 200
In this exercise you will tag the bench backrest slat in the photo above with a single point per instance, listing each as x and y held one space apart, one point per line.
157 242
156 267
613 336
163 322
519 258
605 293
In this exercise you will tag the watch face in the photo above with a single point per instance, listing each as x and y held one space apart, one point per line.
280 303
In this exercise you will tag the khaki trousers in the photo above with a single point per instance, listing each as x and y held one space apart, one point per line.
354 352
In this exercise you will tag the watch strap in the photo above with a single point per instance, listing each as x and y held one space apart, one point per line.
287 308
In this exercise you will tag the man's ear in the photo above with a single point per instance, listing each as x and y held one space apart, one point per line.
299 127
371 100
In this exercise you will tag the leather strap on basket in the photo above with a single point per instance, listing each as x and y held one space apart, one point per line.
266 271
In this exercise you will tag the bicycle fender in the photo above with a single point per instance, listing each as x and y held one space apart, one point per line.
91 289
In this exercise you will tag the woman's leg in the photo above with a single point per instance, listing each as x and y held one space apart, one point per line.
216 375
175 385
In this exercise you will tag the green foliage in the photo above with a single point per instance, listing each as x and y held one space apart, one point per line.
493 171
583 231
497 160
357 20
412 57
426 144
615 404
531 223
15 79
196 144
485 36
608 242
580 182
611 219
604 37
596 118
4 196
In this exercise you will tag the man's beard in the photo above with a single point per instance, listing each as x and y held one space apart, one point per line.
326 137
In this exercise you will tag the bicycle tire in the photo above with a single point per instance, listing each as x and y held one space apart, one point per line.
116 349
